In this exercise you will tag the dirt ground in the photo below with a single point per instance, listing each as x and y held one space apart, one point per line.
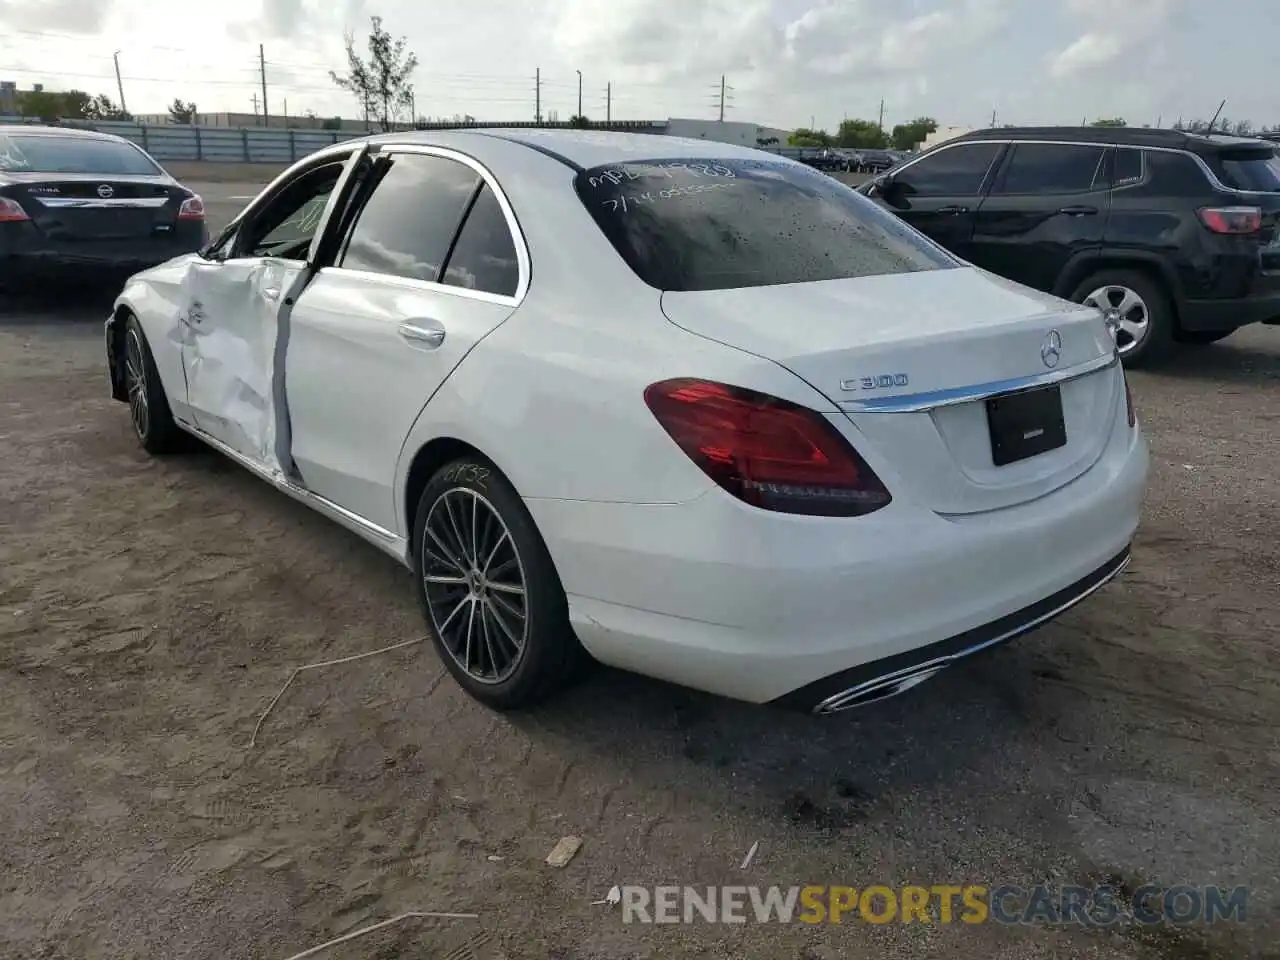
151 609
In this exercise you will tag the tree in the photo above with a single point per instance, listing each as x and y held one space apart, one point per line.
579 123
804 137
75 104
1111 122
103 107
906 135
861 133
180 112
766 141
41 104
333 123
381 84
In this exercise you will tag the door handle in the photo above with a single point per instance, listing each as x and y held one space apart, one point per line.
1079 211
427 336
953 211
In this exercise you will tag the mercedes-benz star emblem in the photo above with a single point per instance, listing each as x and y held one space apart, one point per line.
105 191
1051 349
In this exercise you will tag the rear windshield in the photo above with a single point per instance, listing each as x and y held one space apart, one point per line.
21 153
721 224
1254 170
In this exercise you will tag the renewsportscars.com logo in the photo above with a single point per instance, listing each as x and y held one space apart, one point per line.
971 904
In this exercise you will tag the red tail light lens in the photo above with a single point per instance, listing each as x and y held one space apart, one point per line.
1232 220
192 209
768 452
11 211
1128 402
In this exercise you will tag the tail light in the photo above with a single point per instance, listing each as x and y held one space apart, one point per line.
11 211
767 452
192 209
1128 402
1232 220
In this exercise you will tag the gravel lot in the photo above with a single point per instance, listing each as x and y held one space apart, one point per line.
150 610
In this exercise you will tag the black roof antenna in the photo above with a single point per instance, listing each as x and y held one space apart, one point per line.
1215 116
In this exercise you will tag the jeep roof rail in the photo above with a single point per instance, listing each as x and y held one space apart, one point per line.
1201 143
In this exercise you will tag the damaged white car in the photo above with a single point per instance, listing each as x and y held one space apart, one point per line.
697 411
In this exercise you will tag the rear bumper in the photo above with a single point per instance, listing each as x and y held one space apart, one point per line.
1229 314
27 258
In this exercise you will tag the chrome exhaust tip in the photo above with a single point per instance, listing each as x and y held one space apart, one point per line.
881 688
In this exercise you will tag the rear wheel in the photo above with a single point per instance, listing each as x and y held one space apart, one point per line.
148 405
1202 338
498 615
1138 309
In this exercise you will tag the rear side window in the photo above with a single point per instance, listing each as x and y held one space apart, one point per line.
1254 170
410 219
1051 168
484 257
951 172
26 153
721 224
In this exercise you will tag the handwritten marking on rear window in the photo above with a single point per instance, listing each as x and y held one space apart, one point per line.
667 171
624 203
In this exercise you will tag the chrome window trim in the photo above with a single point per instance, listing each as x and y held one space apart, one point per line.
94 202
426 286
1199 160
523 261
931 400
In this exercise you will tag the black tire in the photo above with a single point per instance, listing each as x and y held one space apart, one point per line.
1202 338
148 405
1158 342
550 657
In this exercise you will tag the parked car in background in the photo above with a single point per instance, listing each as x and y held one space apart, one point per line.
1173 236
542 369
85 206
876 161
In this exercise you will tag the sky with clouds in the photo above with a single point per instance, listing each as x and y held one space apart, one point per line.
1030 61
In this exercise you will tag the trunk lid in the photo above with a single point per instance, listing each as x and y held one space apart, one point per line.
92 208
911 358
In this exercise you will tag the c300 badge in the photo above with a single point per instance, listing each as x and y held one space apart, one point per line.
879 382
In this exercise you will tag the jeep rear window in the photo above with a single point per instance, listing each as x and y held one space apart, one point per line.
1254 170
720 224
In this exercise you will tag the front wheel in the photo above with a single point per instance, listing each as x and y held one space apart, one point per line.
492 598
1137 309
149 411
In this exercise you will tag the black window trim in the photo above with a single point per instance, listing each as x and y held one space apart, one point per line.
436 286
995 168
1205 169
1096 183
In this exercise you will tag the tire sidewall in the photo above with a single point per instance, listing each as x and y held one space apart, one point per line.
160 428
545 603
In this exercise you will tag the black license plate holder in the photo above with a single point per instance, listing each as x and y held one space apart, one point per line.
1026 424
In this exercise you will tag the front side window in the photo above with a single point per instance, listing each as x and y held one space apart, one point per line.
721 224
412 216
45 153
951 172
1038 168
286 225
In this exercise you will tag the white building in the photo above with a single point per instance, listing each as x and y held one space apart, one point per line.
943 134
727 131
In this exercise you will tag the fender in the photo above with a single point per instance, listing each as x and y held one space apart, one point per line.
1102 258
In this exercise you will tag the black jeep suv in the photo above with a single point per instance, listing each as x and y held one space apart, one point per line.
1175 236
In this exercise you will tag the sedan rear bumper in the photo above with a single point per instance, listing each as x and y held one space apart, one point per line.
28 259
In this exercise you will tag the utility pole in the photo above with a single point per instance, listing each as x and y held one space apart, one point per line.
262 66
993 118
722 89
537 95
881 123
254 98
413 109
286 111
608 103
579 93
119 83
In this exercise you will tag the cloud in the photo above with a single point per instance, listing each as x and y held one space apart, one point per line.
1115 31
69 16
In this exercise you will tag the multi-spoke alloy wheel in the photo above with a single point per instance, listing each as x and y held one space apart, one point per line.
135 373
489 589
475 585
1138 311
1126 314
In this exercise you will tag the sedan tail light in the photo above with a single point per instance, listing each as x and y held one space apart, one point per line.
11 211
767 452
192 209
1232 220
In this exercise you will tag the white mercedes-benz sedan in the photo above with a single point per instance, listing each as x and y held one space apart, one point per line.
685 408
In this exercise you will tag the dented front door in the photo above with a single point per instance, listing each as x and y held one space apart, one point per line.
229 351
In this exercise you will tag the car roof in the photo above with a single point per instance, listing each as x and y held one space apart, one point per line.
1122 136
581 148
41 130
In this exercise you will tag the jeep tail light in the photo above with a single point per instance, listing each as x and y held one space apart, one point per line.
1232 220
1128 402
192 209
767 452
11 211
